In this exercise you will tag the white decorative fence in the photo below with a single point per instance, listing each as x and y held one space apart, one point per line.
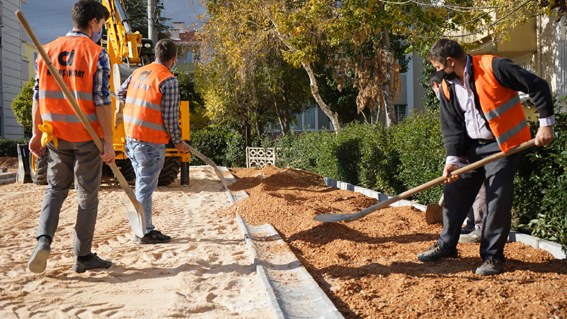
260 157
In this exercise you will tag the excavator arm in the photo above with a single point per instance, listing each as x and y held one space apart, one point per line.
123 45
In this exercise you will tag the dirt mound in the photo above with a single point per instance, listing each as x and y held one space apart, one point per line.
11 162
369 268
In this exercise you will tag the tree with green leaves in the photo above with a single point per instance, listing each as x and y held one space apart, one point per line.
22 107
138 16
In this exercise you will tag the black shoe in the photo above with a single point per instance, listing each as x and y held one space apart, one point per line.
89 262
466 230
491 266
38 259
153 237
435 253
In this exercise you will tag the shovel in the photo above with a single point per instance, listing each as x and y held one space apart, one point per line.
437 181
135 210
434 212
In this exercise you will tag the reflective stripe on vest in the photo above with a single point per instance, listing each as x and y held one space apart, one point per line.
59 95
501 106
68 118
142 115
75 59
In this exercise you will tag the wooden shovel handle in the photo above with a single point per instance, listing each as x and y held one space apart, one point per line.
439 180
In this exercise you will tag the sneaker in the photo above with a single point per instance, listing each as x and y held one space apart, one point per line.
89 262
153 237
466 230
472 237
491 266
435 253
38 259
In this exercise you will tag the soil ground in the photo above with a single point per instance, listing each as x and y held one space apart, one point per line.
205 272
369 269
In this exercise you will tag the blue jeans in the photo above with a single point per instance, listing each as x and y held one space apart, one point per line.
147 160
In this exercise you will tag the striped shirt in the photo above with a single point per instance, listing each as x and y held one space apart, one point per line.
101 84
169 90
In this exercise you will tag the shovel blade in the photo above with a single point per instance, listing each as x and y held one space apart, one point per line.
434 214
326 218
136 216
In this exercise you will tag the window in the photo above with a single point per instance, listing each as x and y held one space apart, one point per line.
401 111
25 71
525 61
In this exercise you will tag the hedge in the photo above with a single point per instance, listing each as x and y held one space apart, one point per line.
9 148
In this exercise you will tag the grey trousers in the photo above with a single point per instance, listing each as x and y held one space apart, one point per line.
475 218
81 162
498 178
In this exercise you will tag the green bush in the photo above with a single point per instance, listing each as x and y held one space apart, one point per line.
421 154
235 150
9 148
212 144
22 106
540 192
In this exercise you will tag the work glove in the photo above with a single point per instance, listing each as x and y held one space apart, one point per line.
47 136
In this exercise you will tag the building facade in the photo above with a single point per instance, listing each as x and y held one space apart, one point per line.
29 54
10 67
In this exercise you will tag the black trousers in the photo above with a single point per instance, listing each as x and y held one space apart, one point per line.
498 177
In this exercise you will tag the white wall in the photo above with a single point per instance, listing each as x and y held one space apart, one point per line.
11 68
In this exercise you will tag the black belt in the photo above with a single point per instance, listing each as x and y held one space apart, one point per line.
484 142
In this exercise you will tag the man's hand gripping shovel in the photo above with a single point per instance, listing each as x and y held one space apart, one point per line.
135 210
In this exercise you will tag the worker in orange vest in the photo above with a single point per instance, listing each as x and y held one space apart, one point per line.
73 155
151 119
481 115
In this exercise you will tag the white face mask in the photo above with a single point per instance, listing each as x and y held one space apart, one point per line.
97 35
438 95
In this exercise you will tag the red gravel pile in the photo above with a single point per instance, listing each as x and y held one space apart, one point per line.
369 268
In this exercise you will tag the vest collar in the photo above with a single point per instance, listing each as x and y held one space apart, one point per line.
159 62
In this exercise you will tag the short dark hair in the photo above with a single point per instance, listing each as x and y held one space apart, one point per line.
85 10
165 50
436 77
445 48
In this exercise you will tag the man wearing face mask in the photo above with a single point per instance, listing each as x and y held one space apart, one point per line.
481 115
73 156
151 119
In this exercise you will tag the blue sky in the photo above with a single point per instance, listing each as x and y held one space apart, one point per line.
52 19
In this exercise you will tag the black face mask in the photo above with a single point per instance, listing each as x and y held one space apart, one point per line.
451 76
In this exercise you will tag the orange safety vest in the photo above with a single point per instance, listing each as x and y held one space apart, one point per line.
501 106
75 58
142 114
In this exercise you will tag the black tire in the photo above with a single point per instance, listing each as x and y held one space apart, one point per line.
38 169
127 170
169 171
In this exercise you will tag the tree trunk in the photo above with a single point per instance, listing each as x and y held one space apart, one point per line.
387 86
280 120
334 117
246 133
259 129
286 108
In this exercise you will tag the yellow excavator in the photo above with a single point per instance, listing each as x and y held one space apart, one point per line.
128 51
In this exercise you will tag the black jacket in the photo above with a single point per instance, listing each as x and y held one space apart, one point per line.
509 75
